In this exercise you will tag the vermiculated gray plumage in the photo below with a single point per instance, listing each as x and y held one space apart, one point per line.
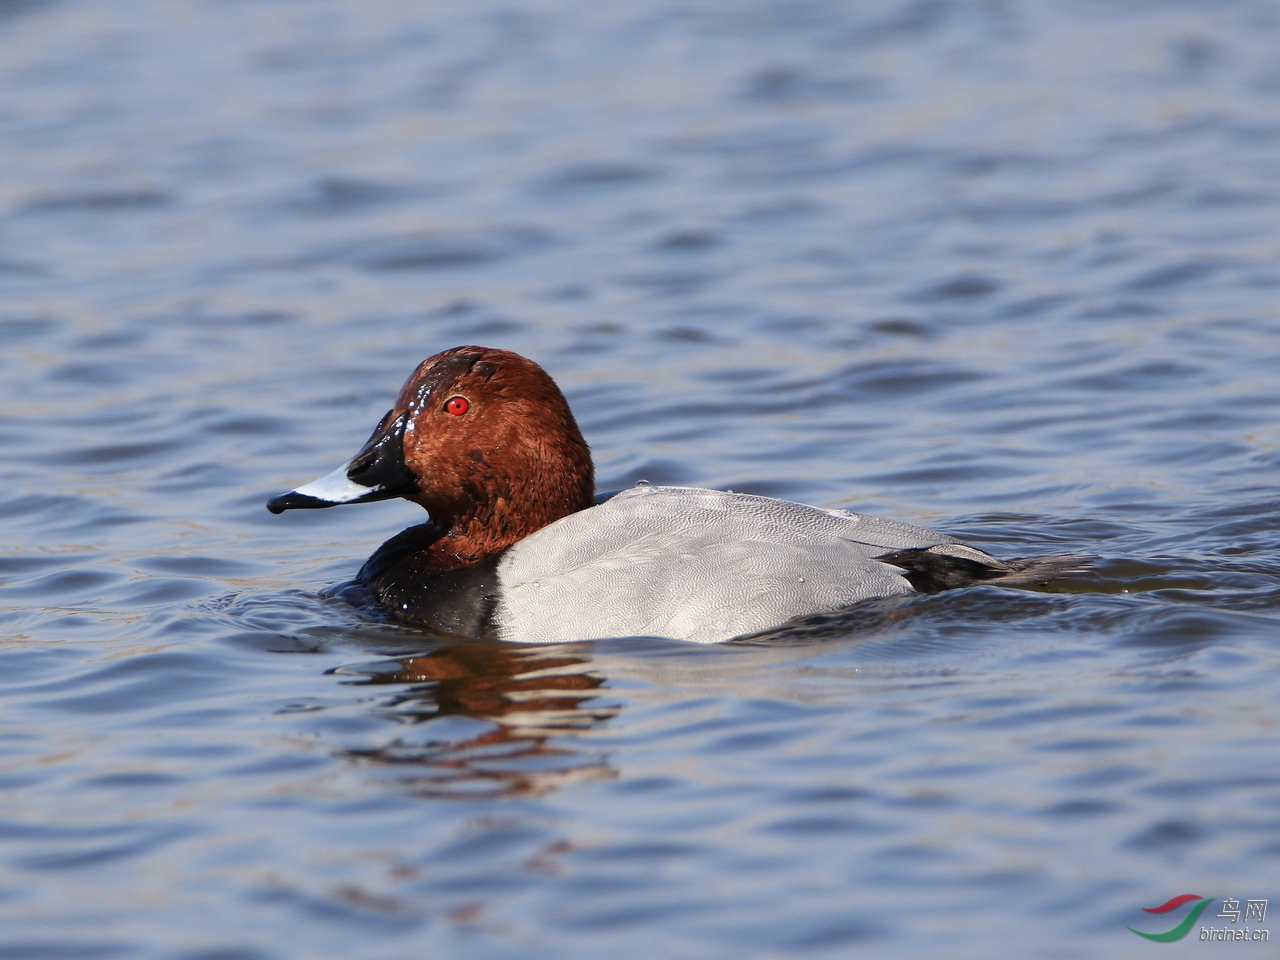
706 565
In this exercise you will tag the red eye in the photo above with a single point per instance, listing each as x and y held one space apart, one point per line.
457 406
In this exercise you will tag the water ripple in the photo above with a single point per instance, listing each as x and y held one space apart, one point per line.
1003 270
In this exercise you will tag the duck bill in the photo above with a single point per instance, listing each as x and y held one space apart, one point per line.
329 491
377 472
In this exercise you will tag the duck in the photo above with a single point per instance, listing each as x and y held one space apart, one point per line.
518 546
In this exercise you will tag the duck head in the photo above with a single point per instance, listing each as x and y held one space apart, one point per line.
480 437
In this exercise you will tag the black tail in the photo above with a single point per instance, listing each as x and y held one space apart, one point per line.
931 572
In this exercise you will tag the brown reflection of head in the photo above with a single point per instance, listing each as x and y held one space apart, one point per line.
537 700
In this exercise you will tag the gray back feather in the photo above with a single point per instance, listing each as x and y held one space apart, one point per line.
694 564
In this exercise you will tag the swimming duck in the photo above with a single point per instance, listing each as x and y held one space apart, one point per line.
519 548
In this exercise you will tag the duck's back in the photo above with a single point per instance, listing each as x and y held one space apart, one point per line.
700 565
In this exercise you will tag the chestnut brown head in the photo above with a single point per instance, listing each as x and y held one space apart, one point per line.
482 438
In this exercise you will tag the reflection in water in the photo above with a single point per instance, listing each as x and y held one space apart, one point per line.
524 708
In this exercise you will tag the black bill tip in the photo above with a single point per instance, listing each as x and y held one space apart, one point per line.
293 500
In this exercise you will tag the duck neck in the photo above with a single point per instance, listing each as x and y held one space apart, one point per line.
479 533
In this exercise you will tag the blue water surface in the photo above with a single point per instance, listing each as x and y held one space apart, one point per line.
1008 269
